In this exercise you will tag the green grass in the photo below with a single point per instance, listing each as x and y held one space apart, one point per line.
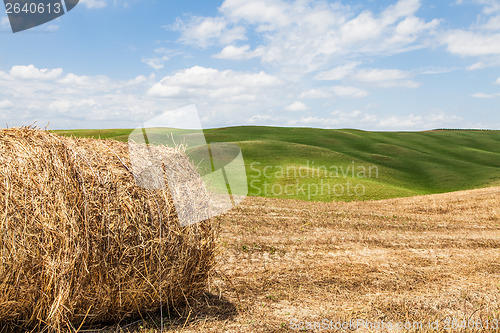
407 163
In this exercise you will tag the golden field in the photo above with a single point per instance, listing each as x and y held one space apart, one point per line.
412 260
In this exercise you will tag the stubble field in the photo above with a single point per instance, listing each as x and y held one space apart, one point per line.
287 264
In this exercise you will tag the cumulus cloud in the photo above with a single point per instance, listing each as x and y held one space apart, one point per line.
29 94
224 97
315 32
231 52
30 72
363 27
296 106
266 12
202 82
204 31
482 38
469 43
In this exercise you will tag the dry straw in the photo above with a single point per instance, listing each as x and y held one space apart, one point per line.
82 243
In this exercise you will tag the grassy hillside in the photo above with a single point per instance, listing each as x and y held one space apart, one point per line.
325 165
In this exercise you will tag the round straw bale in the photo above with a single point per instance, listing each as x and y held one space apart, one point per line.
82 243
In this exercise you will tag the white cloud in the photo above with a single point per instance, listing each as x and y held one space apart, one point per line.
377 75
493 23
155 63
269 13
223 97
468 43
347 91
332 91
361 28
402 8
210 83
480 39
30 72
316 93
161 56
64 106
316 33
384 78
296 106
204 31
30 94
69 100
338 73
476 66
497 81
94 4
231 52
490 6
6 104
409 30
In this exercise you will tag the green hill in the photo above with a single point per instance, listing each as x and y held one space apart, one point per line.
325 164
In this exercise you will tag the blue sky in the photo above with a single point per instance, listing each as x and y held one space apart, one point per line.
373 65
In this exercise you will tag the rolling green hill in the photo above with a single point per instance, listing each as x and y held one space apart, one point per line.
325 165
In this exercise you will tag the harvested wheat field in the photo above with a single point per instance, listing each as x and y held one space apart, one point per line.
417 260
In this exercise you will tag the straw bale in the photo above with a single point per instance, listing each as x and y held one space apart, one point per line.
81 242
